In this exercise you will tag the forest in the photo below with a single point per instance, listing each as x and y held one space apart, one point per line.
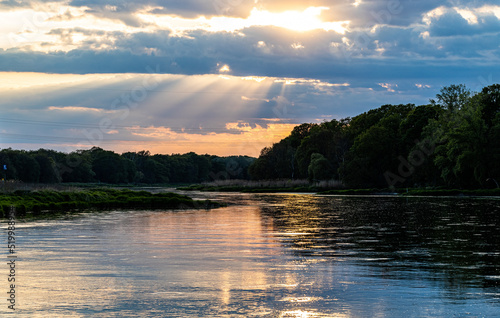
453 142
97 165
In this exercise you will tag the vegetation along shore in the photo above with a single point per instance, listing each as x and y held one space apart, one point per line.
329 188
46 202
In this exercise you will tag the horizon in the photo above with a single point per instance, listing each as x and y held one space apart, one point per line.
227 77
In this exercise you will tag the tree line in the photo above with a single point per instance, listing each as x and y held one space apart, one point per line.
99 165
454 141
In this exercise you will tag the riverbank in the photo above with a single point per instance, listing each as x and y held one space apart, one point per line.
339 191
264 186
39 202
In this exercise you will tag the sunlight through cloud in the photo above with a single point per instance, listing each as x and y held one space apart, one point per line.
224 69
357 3
301 21
306 20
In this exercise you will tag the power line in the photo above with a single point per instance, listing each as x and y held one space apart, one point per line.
111 126
41 138
54 123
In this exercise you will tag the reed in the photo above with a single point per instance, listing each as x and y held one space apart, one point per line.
283 185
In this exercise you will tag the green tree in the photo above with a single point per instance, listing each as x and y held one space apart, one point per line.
319 168
377 149
263 167
453 97
468 153
48 169
28 169
321 140
76 167
109 167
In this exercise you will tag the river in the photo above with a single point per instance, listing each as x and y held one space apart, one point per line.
264 255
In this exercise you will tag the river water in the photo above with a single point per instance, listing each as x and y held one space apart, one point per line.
265 255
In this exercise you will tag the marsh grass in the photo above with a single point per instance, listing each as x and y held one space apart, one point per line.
44 201
266 185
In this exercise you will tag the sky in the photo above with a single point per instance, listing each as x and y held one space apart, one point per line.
226 77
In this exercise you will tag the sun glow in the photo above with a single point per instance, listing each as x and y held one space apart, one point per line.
249 141
306 20
301 21
224 69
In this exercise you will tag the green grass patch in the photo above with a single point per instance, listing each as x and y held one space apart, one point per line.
47 201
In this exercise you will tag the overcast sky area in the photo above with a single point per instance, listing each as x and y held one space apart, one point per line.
226 77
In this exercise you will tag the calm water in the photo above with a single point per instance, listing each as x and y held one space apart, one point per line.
285 255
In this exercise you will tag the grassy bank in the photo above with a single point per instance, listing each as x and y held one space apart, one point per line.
266 186
40 202
205 188
328 187
12 185
276 186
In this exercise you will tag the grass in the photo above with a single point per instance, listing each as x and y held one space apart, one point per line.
10 186
44 201
332 187
264 186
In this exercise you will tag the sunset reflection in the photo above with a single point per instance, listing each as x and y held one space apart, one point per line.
288 256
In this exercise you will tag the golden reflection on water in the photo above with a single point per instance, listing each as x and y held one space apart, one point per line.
52 285
288 256
246 241
92 265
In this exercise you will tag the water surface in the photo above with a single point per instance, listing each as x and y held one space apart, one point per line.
267 255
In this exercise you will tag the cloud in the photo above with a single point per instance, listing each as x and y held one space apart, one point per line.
125 10
14 4
367 13
199 51
210 68
465 22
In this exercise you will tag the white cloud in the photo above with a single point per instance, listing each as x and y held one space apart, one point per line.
79 109
389 87
422 86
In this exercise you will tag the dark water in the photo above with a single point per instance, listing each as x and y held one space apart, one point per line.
285 255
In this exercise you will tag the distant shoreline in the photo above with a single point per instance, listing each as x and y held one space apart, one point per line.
373 191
